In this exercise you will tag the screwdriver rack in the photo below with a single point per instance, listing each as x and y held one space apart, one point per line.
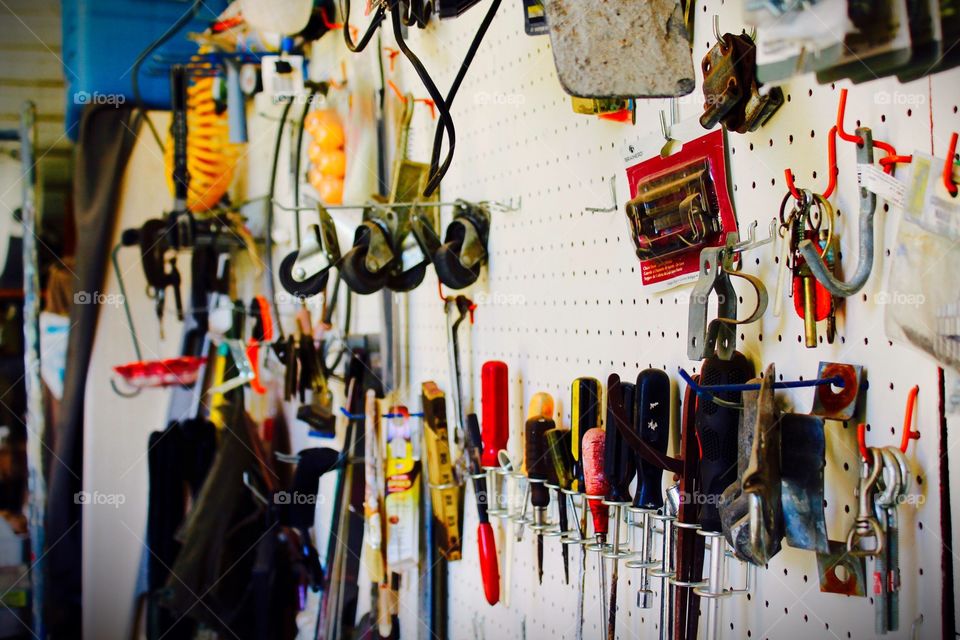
562 298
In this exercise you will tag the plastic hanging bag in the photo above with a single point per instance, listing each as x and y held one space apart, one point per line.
922 299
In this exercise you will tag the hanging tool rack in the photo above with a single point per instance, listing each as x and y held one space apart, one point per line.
563 299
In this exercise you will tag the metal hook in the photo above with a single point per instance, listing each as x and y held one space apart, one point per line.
613 196
248 483
130 327
716 28
289 458
868 205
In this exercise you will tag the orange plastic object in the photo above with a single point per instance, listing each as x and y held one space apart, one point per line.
161 373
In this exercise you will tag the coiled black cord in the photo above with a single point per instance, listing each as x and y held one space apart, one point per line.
378 18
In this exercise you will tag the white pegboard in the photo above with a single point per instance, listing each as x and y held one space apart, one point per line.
562 299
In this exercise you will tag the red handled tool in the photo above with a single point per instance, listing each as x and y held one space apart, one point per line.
487 544
262 332
495 407
596 486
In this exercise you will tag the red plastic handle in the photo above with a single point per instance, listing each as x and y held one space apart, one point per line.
489 567
594 441
495 408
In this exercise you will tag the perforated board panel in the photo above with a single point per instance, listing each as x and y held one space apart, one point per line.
562 298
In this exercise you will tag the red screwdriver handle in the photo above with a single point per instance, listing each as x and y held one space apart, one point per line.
489 567
495 410
594 441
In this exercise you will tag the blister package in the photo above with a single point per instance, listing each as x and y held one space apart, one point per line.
679 205
922 299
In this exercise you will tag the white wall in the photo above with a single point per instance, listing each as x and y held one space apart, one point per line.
116 429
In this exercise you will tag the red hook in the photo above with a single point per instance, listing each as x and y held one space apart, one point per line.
948 167
392 57
832 161
891 159
908 432
862 441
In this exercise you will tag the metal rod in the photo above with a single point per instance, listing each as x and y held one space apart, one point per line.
789 384
398 205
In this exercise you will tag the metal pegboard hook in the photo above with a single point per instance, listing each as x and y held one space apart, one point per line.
868 206
613 196
129 317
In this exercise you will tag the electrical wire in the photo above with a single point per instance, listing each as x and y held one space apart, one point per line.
181 22
461 74
297 159
446 121
268 231
378 18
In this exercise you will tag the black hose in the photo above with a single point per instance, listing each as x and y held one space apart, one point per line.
297 159
446 122
461 74
378 18
181 22
268 239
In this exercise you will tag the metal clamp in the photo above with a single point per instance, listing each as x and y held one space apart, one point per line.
866 524
719 338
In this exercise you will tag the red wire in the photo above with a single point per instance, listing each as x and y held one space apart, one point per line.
948 167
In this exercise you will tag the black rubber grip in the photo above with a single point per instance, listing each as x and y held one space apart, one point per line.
537 458
619 461
718 432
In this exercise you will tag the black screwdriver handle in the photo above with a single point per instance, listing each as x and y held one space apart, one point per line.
619 461
537 459
584 415
652 422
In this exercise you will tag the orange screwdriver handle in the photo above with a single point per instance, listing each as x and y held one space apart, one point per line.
495 410
594 441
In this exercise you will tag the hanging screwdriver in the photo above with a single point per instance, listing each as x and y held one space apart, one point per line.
486 542
537 466
541 406
585 414
619 466
495 411
596 486
652 423
561 477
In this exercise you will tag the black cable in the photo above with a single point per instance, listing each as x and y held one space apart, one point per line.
268 240
181 22
297 159
461 74
446 121
378 18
